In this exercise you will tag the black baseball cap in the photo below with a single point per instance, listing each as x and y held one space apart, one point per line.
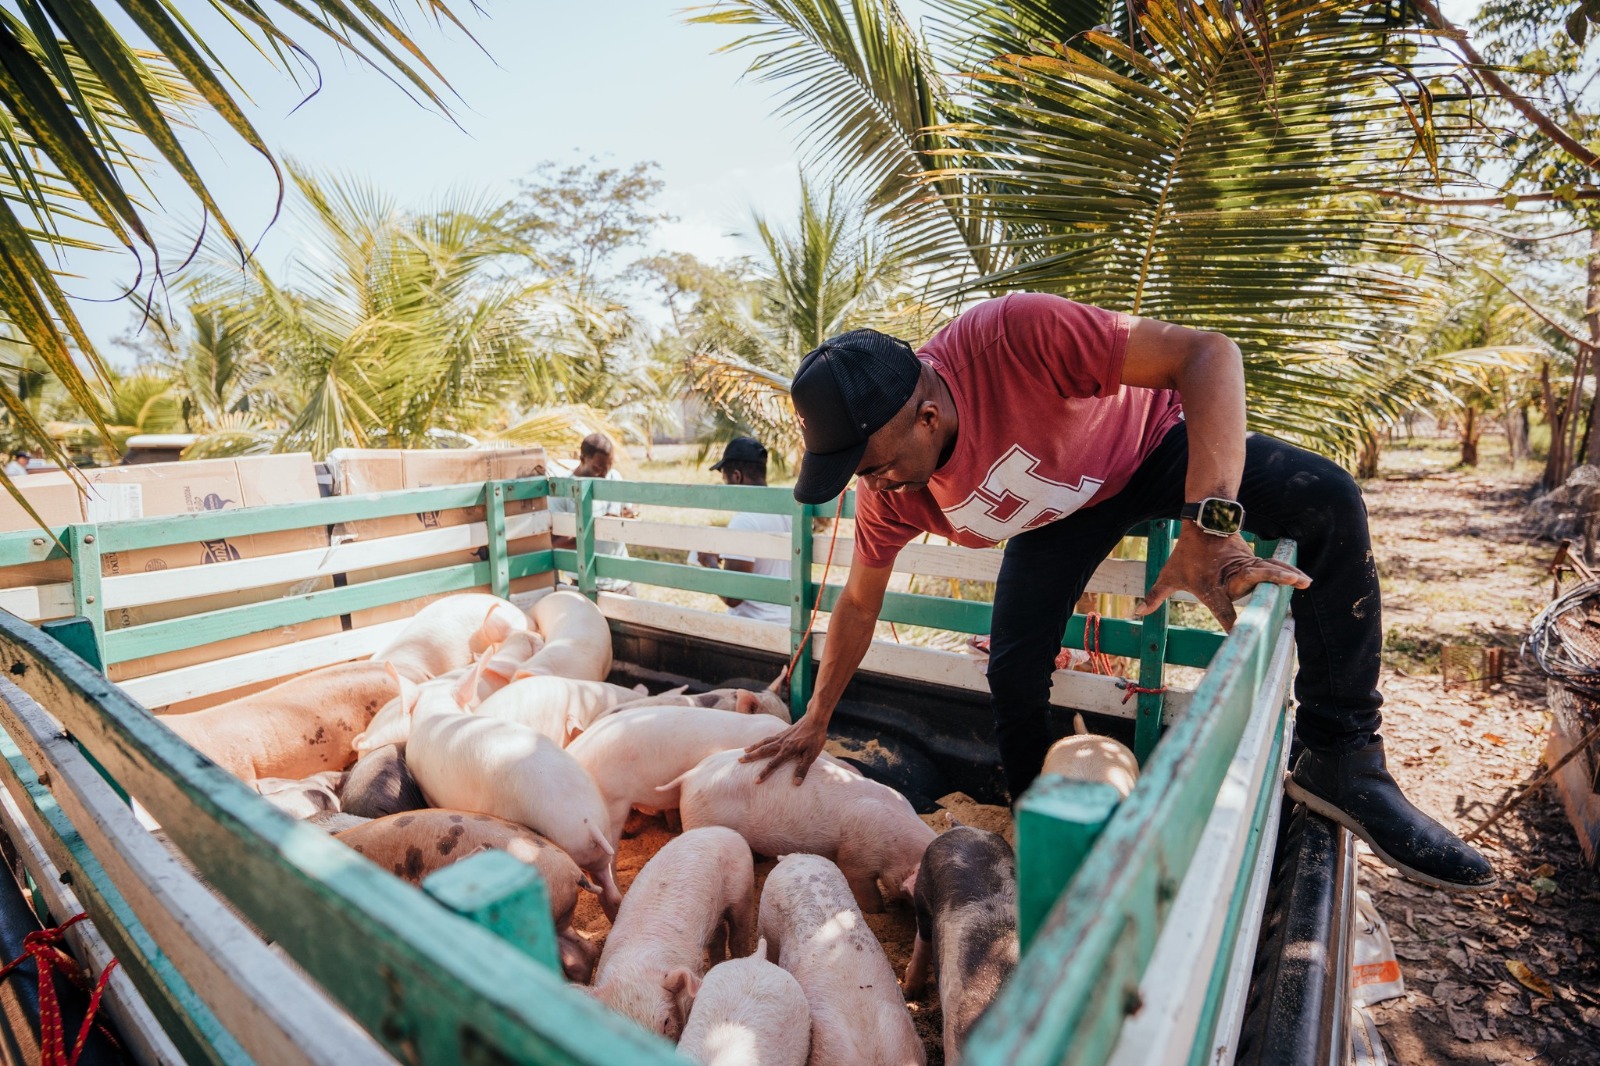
742 450
844 392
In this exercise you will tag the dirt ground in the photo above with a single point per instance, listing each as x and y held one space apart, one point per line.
895 928
1511 975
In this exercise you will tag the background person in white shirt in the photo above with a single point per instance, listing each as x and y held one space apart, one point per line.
744 462
595 455
18 465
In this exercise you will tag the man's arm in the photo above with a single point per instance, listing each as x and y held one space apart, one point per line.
1207 371
850 629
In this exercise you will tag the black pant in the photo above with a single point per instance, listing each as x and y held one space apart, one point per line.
1286 492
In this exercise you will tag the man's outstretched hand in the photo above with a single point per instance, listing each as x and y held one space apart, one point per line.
801 743
1217 570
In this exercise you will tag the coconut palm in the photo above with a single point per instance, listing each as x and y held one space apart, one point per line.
1204 162
88 115
833 271
393 327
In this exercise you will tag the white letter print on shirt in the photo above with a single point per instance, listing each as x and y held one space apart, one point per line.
1013 498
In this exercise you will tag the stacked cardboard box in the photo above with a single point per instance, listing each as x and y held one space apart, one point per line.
207 485
361 471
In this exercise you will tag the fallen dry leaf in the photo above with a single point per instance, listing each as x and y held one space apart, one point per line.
1494 738
1545 886
1528 892
1547 870
1528 979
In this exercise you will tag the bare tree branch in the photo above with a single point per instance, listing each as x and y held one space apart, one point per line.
1552 129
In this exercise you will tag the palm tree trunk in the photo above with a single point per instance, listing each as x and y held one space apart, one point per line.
1591 316
1471 429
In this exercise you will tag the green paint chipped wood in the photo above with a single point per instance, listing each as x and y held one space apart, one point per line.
1154 635
1058 822
495 522
505 896
802 597
431 986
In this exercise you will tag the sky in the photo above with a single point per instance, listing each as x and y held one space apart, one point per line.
621 80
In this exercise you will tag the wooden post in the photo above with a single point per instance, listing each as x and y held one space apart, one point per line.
494 512
1058 821
583 497
1152 647
506 897
83 542
802 595
77 636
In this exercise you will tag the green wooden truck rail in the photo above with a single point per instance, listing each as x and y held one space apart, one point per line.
462 971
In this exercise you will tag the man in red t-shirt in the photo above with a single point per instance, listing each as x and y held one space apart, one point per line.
1056 427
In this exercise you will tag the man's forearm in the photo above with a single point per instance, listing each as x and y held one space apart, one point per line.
850 630
1211 383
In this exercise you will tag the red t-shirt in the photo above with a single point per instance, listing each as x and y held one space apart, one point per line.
1045 426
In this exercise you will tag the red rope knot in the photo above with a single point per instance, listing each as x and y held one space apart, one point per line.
1130 690
41 946
1099 661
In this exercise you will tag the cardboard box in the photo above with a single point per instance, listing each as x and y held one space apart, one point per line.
207 485
360 471
57 499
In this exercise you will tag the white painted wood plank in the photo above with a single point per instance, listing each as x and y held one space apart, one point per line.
202 679
35 603
275 1013
141 1034
1173 990
131 590
709 625
1069 688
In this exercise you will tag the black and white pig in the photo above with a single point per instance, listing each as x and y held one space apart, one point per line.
966 903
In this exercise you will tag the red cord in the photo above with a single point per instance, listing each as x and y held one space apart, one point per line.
1102 662
40 945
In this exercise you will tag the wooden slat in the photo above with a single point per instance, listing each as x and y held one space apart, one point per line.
136 1025
759 499
267 664
276 1015
1056 1008
1069 688
432 986
1174 989
132 590
38 602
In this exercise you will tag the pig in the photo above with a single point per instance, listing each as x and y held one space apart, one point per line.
869 829
498 666
815 931
305 797
747 1012
417 843
698 885
577 638
632 754
558 707
1088 757
336 821
392 723
739 700
299 728
450 633
490 766
380 784
966 903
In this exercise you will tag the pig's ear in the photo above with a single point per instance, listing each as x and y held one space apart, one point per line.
394 675
495 628
776 688
1078 727
761 949
909 886
466 692
682 984
641 690
746 702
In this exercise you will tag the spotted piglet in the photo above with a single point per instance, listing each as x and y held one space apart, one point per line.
814 929
379 784
966 902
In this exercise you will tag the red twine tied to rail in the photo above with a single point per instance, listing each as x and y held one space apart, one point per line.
1101 662
40 945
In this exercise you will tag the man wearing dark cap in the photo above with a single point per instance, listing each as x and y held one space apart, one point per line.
1055 427
744 462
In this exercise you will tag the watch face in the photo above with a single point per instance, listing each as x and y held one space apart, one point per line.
1220 516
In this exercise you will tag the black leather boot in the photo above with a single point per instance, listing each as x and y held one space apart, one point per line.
1355 790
